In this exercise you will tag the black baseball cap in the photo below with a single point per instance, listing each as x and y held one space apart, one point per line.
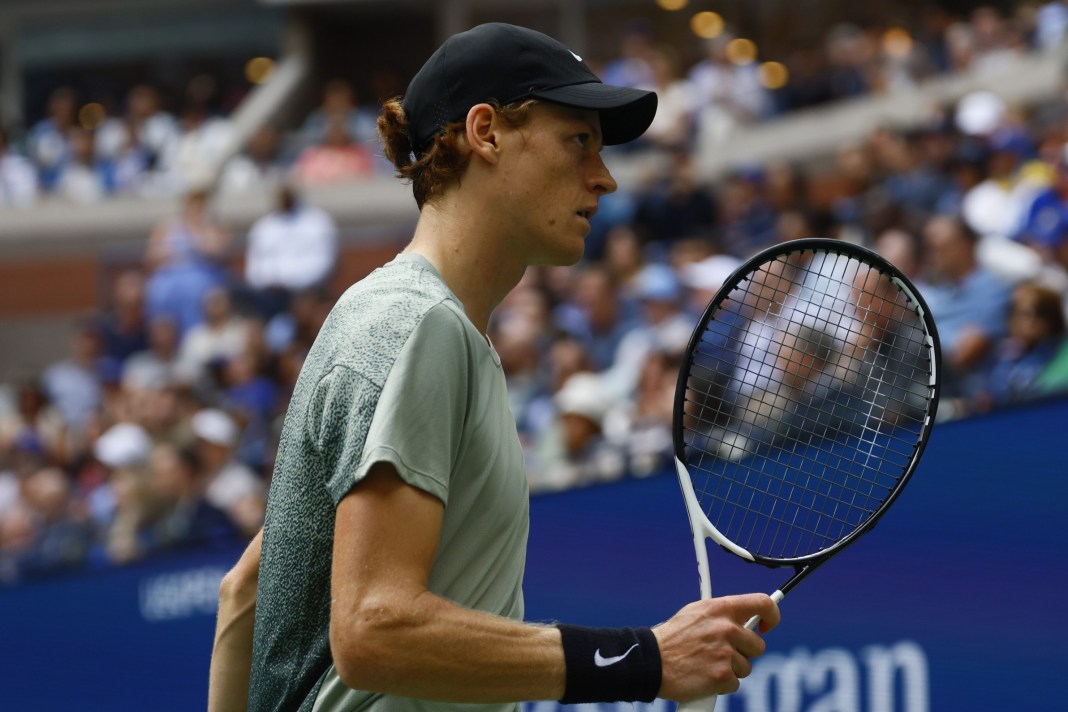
506 63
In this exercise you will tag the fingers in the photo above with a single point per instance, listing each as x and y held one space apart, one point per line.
705 647
745 606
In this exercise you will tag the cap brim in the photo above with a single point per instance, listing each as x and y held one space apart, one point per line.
625 113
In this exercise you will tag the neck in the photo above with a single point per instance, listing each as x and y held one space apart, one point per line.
469 248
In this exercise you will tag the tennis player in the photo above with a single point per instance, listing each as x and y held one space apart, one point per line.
393 551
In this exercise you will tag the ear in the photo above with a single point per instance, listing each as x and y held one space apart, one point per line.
482 132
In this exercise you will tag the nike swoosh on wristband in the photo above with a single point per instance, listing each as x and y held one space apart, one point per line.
600 661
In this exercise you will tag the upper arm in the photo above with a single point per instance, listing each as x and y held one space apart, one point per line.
385 536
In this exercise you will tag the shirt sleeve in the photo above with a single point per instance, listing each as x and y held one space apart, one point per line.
414 422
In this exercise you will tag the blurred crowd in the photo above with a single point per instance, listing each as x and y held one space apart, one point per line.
83 149
158 429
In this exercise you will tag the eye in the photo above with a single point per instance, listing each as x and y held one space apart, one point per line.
582 139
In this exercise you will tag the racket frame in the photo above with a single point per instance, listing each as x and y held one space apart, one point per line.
700 524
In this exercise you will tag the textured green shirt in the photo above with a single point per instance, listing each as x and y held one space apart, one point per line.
397 374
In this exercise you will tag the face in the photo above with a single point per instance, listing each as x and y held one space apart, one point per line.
550 179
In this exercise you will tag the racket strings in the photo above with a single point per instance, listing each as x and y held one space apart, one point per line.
805 402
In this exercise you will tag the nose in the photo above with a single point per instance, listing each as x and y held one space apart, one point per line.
600 178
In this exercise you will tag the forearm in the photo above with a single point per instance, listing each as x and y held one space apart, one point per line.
231 657
430 648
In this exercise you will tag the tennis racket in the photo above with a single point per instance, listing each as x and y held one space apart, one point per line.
803 405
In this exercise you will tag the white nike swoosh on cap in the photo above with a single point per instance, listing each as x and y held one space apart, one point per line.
575 56
600 661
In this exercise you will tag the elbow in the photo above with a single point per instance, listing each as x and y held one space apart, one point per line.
362 643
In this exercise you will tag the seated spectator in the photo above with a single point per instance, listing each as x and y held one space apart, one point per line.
62 531
204 139
1036 331
967 301
84 179
676 205
256 170
185 518
663 325
253 396
123 504
49 139
338 158
231 486
185 259
577 453
291 249
123 330
340 106
157 366
599 316
35 423
18 177
73 384
643 428
673 125
221 336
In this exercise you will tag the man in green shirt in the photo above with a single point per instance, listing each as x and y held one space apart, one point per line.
390 576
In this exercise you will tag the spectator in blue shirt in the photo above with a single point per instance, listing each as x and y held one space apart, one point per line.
968 302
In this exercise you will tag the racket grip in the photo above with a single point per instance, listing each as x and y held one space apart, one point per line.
708 704
753 622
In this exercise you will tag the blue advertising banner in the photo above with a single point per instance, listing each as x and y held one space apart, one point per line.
953 602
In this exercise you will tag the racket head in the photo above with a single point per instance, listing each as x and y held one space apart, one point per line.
805 400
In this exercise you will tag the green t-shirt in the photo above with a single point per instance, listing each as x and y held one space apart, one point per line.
397 374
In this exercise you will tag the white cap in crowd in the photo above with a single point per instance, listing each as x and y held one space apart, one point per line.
584 394
710 273
215 426
123 445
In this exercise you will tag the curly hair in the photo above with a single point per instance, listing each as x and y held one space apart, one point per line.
445 161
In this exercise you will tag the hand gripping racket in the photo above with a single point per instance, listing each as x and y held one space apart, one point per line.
803 404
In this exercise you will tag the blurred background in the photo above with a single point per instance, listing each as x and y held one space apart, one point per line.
186 186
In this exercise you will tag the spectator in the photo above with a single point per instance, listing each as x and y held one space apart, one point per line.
185 518
157 366
73 384
600 316
185 258
336 159
291 249
36 424
204 140
259 169
83 178
663 325
726 94
634 65
678 204
995 207
673 125
122 506
746 220
221 336
1036 331
18 177
582 456
123 329
967 301
230 485
340 106
62 533
252 395
643 430
49 139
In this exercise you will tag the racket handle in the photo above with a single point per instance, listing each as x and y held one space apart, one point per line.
708 704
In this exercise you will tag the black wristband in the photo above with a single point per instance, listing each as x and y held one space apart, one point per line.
610 664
